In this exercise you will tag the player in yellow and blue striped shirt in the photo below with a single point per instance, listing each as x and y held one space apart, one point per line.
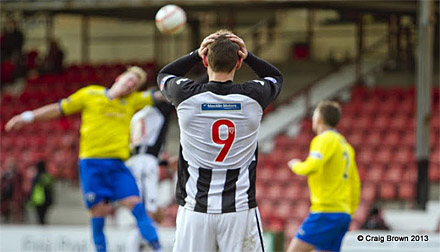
333 181
104 145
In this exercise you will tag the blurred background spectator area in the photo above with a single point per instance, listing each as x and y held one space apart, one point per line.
47 53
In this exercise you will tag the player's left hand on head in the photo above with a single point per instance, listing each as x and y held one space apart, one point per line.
292 162
243 53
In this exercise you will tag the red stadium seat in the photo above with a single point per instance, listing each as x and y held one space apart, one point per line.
375 173
275 225
260 190
345 125
359 92
397 92
280 157
365 156
435 156
283 210
406 191
399 122
434 139
292 192
390 106
409 173
380 123
391 138
387 191
379 93
372 106
435 121
305 192
356 139
275 191
374 139
368 192
303 139
404 155
265 175
283 175
7 142
394 173
266 208
383 155
283 141
362 172
362 123
266 162
434 172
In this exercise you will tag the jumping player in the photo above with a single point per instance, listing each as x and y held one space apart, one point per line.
148 130
104 144
219 122
333 181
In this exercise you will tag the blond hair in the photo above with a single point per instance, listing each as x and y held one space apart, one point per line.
140 73
224 32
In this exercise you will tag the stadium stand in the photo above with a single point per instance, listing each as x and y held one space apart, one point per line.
378 122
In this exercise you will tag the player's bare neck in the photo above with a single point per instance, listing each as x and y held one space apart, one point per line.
322 128
221 77
111 94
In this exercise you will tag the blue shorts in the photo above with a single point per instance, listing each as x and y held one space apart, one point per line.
105 179
325 231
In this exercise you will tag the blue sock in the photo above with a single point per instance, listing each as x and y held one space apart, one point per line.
146 226
98 233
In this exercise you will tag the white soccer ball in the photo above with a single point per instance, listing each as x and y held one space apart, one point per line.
170 19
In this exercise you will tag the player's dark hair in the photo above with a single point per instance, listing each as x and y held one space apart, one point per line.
223 54
330 112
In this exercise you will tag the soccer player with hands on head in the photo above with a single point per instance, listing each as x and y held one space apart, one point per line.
333 181
104 145
219 122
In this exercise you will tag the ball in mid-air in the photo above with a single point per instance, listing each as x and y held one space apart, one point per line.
170 19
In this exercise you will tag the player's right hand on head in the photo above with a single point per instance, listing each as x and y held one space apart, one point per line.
14 123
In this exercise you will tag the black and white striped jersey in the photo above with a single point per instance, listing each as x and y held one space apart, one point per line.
148 129
219 124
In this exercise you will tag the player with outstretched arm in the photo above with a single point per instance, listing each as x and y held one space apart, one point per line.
104 144
333 181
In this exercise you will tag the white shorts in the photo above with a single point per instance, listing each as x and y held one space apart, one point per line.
145 169
228 232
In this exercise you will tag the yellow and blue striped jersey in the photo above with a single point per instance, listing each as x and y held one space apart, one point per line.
332 174
105 122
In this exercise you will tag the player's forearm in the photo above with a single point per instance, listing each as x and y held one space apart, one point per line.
263 68
305 168
44 113
47 112
182 65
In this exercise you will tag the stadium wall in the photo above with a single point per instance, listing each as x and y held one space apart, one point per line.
116 40
77 239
